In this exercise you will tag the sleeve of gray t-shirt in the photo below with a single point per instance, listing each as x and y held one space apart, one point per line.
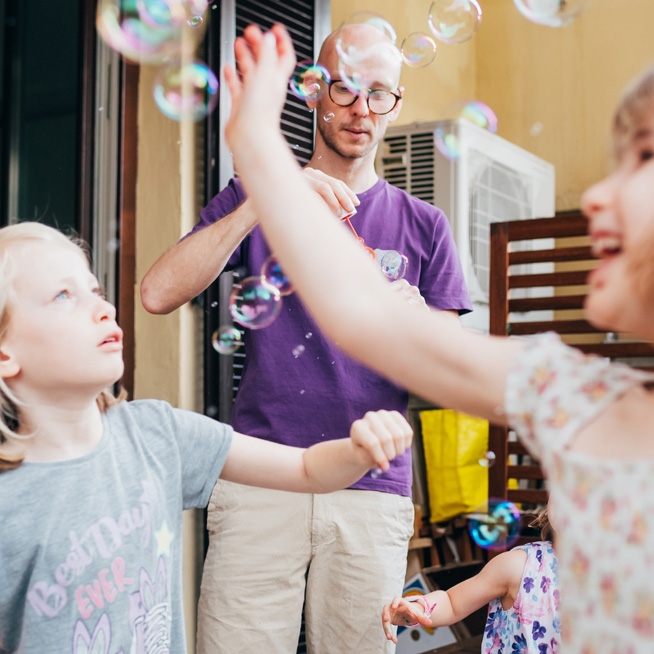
202 444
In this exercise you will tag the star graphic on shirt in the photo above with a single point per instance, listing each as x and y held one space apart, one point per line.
164 538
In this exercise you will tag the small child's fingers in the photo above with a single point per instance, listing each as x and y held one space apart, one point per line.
402 429
285 49
233 84
381 428
244 57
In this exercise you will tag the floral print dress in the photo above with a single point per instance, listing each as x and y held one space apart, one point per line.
601 508
531 625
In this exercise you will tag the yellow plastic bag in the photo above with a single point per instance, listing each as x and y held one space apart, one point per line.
454 444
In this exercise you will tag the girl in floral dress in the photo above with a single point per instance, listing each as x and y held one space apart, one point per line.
522 588
588 420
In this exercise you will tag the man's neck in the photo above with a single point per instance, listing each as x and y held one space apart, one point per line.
358 174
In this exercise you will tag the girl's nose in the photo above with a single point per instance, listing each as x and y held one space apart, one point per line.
105 310
599 197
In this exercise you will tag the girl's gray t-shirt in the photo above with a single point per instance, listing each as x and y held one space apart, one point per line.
91 549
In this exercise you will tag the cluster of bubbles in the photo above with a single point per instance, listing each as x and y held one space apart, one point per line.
254 303
496 525
164 33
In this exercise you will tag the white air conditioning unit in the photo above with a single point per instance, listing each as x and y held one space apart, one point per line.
491 180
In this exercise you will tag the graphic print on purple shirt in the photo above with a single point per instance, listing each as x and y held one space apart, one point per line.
316 396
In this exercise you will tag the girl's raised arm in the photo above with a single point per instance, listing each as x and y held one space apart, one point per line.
428 352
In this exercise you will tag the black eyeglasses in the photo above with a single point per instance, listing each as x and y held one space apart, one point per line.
379 101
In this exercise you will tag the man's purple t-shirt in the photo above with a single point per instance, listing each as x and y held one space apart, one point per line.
315 396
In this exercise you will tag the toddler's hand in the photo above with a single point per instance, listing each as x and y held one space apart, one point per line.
403 613
380 436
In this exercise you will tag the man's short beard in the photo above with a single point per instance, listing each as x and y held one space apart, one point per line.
333 146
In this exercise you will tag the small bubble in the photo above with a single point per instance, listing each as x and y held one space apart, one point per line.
376 473
296 146
214 305
308 335
100 108
195 21
495 525
302 392
112 245
328 117
298 350
212 411
487 460
226 340
536 129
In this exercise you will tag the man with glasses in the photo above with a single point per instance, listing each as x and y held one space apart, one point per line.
343 554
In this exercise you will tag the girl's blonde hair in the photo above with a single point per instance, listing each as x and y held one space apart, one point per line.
635 108
10 237
541 521
637 102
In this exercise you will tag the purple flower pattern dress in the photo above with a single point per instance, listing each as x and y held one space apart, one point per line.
531 625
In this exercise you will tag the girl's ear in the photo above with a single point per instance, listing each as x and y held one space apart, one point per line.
9 366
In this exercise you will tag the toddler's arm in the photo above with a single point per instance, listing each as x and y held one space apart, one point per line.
375 439
501 578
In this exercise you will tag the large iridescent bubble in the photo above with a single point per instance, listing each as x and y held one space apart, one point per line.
418 50
553 13
496 525
151 31
186 91
446 138
254 303
454 21
310 81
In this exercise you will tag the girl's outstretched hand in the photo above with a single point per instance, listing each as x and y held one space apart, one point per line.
265 62
403 613
380 436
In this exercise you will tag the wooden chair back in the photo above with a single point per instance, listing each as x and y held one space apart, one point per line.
561 291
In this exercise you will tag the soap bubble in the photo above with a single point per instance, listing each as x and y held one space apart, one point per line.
150 31
553 13
536 129
481 115
454 21
226 340
364 68
446 137
254 303
188 91
347 42
418 50
195 21
328 117
496 525
298 350
376 473
309 81
272 272
393 264
488 460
